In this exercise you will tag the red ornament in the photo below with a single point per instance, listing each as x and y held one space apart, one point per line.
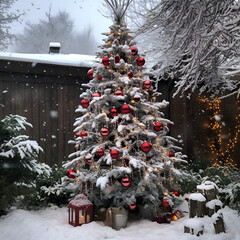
89 160
83 134
118 93
90 73
99 77
134 50
133 206
76 147
126 181
140 61
147 84
165 203
114 154
96 95
69 173
168 125
77 135
126 161
158 126
171 154
125 109
100 152
104 132
105 61
130 74
85 103
146 147
117 59
136 98
114 112
176 193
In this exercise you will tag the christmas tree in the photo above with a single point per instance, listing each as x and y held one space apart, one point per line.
123 155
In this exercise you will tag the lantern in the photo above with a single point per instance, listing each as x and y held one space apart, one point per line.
83 134
158 126
171 154
90 73
69 173
140 61
130 74
104 132
85 103
100 152
133 206
114 154
80 211
105 61
134 50
126 181
125 109
99 77
147 84
118 93
117 59
165 202
146 147
114 112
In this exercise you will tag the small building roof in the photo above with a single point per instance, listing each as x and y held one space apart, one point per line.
80 200
77 60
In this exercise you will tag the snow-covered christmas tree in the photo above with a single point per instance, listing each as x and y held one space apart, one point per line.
124 156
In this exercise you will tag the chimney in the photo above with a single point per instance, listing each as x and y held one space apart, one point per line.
54 47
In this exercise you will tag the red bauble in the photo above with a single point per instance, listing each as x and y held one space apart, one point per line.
114 112
90 73
130 74
117 59
100 152
168 125
158 126
126 161
118 93
114 154
134 50
105 61
126 181
89 160
104 132
77 135
125 109
146 147
140 61
96 95
147 84
85 103
83 134
171 154
99 77
136 98
165 203
133 206
176 193
69 173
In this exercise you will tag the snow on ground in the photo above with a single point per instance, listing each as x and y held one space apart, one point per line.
52 223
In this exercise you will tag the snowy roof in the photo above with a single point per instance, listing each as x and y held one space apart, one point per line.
80 200
77 60
54 44
197 197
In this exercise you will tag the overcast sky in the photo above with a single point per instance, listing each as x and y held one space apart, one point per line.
83 12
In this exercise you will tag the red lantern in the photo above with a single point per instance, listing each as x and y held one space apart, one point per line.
117 59
96 95
99 77
165 203
140 61
147 84
83 134
126 181
69 173
114 112
146 147
90 73
118 93
134 50
171 154
176 193
105 61
100 152
85 103
114 154
130 74
125 109
133 206
104 132
136 98
158 126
